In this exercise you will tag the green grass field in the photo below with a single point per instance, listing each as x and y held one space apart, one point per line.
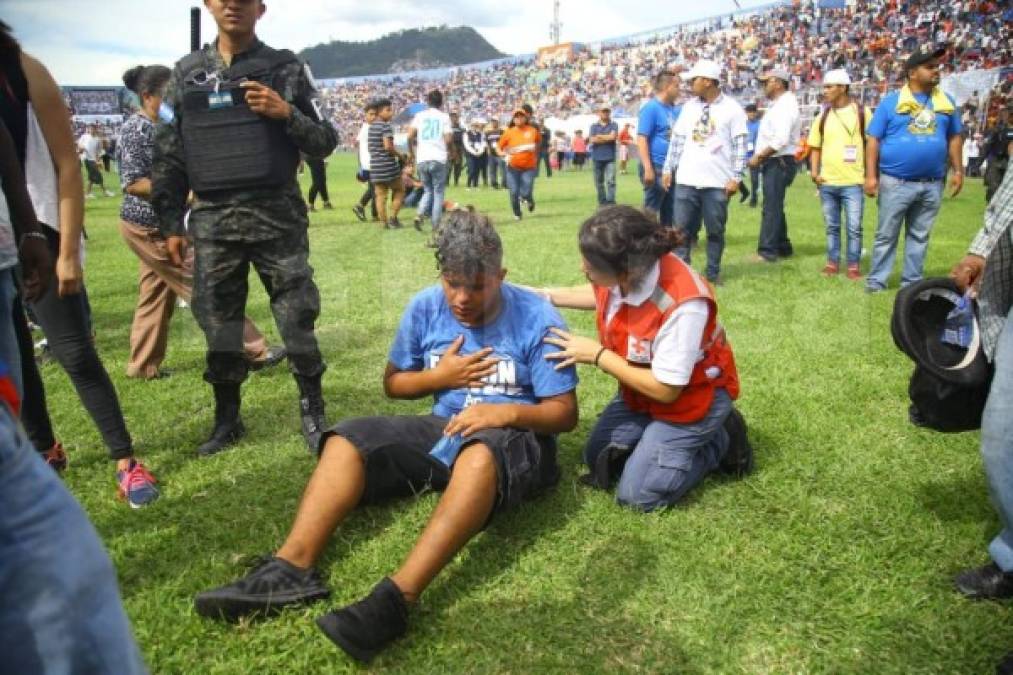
835 556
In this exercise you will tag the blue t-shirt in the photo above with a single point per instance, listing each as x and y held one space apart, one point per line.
603 152
655 123
913 146
753 128
523 374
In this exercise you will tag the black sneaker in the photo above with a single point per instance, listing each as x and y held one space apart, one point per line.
738 459
364 628
359 212
269 587
985 583
531 205
395 224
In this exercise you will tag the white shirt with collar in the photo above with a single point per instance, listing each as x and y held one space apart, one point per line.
676 348
707 155
781 126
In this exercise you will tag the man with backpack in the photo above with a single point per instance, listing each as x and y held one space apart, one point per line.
837 166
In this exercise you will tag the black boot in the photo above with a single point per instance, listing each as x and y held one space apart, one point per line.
311 409
228 426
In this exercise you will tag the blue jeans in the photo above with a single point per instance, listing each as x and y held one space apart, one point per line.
997 446
497 170
10 351
434 185
605 181
657 198
61 609
913 205
521 185
668 459
851 199
710 205
778 174
413 198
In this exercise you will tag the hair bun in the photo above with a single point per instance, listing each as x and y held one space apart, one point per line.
132 76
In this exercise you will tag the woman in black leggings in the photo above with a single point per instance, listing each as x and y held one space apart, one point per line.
63 311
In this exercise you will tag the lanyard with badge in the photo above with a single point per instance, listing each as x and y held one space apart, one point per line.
850 149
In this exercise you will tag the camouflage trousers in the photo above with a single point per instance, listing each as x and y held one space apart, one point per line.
220 288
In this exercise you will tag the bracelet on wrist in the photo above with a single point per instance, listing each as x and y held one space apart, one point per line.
598 356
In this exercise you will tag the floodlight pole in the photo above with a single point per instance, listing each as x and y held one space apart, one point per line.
556 26
194 29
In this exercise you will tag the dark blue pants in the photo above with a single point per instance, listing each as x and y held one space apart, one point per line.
778 174
709 205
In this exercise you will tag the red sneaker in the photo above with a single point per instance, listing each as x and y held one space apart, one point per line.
830 269
136 485
56 458
854 273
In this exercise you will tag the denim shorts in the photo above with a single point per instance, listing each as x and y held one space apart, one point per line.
398 463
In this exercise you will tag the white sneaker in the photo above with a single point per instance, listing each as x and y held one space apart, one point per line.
109 194
89 196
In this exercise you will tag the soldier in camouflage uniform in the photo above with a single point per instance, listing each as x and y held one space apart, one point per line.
265 226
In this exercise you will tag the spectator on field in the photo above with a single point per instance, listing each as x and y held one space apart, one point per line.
477 152
385 165
654 130
625 141
673 422
362 142
602 138
457 155
432 135
579 148
996 152
488 445
544 147
837 161
497 164
777 140
62 310
161 282
90 148
972 155
520 143
914 133
414 188
753 125
988 267
707 157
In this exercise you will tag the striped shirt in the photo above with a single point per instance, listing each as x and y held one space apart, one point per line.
383 167
995 243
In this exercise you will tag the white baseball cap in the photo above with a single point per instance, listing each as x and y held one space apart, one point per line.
703 68
839 76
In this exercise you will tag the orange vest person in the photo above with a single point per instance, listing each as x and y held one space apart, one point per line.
673 422
519 144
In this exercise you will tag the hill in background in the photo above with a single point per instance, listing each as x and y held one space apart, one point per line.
412 49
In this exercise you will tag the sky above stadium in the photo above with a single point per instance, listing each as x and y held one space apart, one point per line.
91 42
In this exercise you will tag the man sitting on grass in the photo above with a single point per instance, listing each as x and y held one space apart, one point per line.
476 345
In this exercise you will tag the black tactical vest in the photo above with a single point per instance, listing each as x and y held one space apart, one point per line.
228 146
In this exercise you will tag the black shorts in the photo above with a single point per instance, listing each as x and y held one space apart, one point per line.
398 464
94 175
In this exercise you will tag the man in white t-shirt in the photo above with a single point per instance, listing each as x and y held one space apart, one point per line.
90 149
708 155
431 134
362 140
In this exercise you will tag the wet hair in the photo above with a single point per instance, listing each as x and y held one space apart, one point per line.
467 245
371 106
621 239
146 79
435 98
383 103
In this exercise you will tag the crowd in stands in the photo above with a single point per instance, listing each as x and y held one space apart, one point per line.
870 39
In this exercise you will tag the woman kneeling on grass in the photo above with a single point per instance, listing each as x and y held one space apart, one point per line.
673 421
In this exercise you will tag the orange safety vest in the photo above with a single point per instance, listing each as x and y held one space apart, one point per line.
632 331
